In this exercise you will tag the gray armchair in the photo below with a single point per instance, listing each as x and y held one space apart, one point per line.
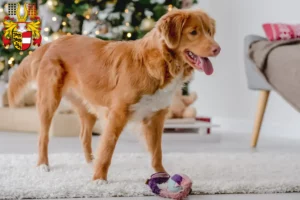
256 82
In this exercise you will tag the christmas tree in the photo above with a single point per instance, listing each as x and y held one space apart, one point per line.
104 19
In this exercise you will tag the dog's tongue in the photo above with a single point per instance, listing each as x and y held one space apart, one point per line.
205 65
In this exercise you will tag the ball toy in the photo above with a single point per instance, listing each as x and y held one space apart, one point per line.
179 186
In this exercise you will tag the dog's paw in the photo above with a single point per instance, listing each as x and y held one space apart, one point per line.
100 182
43 168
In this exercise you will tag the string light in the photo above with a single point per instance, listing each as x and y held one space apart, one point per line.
30 52
46 38
129 35
21 53
126 10
170 7
97 32
87 17
50 3
10 62
127 23
85 32
54 19
64 23
68 15
46 29
12 58
1 9
77 1
6 47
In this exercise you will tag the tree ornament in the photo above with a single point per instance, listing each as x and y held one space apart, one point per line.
2 15
186 3
147 24
1 66
75 23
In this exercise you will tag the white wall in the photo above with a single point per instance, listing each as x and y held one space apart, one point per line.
224 95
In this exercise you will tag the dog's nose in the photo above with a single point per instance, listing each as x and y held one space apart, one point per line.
216 50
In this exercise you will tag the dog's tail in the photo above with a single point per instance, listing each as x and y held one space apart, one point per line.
24 74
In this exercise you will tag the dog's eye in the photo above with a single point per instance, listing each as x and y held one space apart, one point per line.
194 32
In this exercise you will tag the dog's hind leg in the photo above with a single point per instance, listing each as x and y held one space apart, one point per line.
50 83
88 121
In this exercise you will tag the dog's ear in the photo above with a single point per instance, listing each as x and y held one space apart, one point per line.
212 26
170 26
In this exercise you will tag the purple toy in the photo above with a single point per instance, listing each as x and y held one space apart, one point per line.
179 185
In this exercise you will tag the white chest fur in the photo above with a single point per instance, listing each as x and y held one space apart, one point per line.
161 99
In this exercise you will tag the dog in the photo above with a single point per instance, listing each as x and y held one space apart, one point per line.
128 81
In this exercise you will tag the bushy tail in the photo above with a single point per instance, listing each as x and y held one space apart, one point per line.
19 80
25 73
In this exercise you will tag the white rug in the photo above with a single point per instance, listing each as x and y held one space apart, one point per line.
212 173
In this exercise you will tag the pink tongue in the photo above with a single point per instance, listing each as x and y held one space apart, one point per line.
205 64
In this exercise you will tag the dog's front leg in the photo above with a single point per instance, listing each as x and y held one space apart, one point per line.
117 119
153 129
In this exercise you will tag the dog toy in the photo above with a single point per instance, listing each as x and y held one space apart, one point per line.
179 186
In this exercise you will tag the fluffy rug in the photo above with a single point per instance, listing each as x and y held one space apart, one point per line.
212 173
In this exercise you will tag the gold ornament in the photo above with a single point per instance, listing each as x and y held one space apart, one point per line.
88 12
1 66
147 24
2 15
52 4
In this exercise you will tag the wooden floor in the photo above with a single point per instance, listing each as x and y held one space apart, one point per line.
217 142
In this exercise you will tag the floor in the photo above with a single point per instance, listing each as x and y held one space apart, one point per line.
216 142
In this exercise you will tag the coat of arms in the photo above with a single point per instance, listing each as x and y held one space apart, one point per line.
22 30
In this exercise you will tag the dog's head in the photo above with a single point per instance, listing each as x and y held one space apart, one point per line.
190 33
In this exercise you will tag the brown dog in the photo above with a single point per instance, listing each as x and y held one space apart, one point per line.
130 81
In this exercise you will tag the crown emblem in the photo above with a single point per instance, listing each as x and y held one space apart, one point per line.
24 17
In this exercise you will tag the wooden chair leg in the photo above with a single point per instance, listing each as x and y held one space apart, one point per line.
261 107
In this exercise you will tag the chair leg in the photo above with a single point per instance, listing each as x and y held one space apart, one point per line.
261 107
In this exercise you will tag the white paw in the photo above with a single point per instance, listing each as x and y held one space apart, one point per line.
43 168
100 182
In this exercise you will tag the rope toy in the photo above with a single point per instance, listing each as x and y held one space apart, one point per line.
179 186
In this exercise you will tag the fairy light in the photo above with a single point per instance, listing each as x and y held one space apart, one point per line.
30 52
64 23
46 38
97 32
50 3
127 23
170 7
129 35
6 47
1 9
126 10
54 19
21 53
12 58
85 32
77 1
87 16
46 29
10 62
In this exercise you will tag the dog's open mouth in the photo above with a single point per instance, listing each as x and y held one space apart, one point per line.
200 63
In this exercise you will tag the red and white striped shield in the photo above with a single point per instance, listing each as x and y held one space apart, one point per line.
22 41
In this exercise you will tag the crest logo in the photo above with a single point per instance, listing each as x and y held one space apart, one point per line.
22 30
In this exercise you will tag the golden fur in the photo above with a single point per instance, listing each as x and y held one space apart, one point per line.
115 75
